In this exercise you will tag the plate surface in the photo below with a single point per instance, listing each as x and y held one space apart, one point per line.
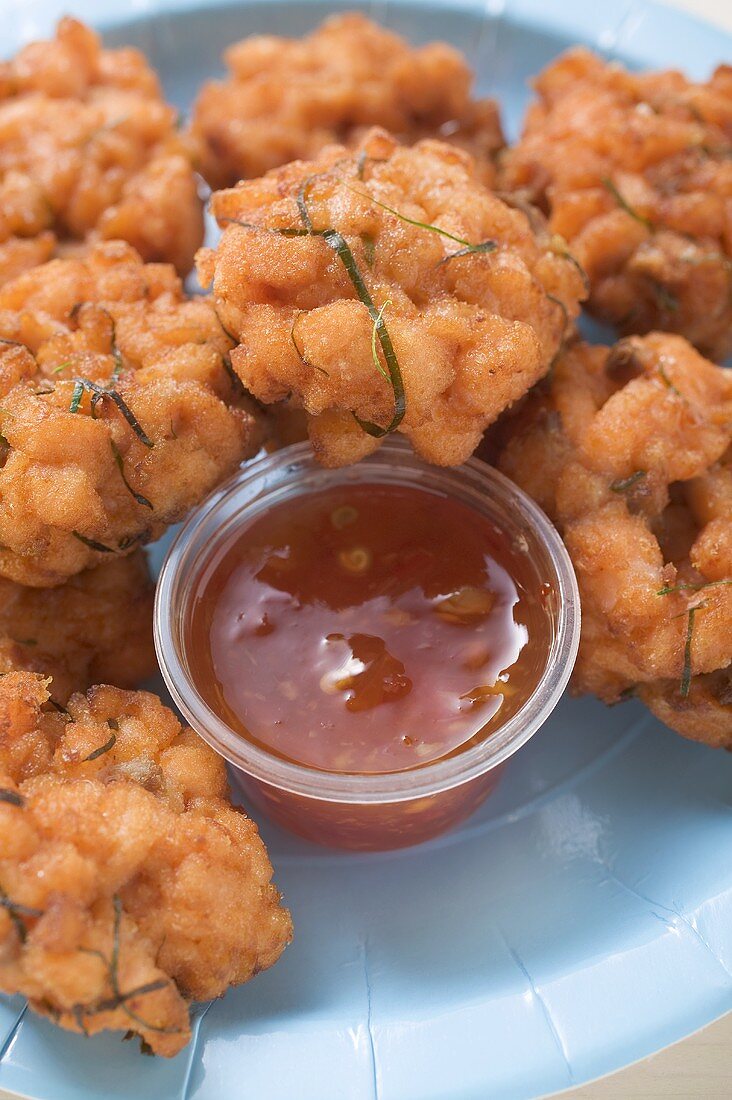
583 918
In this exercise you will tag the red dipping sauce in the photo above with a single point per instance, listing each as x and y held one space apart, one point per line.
368 629
369 645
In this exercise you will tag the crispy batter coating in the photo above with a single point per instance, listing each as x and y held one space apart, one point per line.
95 629
129 884
88 473
704 715
286 99
472 326
629 449
635 171
89 150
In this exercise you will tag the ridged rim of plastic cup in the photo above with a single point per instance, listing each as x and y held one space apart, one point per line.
275 477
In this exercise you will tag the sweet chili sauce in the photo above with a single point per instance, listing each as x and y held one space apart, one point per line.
366 629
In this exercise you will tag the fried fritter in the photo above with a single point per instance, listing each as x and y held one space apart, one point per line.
89 150
705 714
129 884
472 325
286 99
629 450
635 171
95 629
118 411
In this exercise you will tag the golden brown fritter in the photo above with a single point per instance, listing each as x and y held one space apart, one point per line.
89 150
473 325
95 629
129 884
286 99
118 411
705 714
635 172
629 450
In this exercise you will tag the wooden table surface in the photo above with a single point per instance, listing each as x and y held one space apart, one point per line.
700 1067
697 1068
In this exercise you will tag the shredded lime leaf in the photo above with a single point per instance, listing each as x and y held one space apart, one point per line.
337 242
374 333
287 231
121 467
685 685
623 484
93 544
17 912
369 248
483 246
13 798
76 396
339 245
625 205
99 393
101 750
667 381
693 586
301 354
118 998
666 300
363 159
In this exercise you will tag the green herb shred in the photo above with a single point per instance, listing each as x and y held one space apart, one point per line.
99 393
374 349
467 246
685 684
623 484
691 586
337 242
119 462
92 543
106 747
301 354
13 798
608 184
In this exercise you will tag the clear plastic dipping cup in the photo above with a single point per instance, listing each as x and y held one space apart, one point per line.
365 812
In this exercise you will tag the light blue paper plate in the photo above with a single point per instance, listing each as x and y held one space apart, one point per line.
583 918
